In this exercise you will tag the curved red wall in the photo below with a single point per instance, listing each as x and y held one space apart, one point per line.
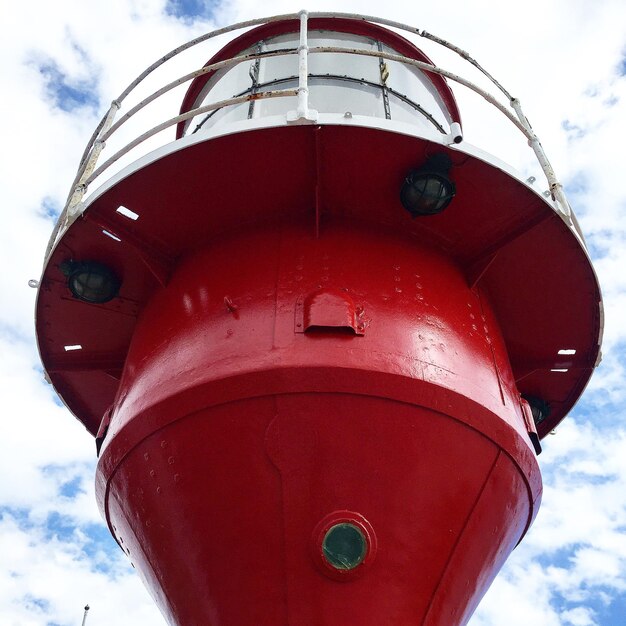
237 429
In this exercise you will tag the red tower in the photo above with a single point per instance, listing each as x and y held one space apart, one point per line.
317 336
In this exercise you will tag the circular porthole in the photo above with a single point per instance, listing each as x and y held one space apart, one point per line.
343 545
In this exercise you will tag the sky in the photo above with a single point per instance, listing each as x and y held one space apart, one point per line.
62 62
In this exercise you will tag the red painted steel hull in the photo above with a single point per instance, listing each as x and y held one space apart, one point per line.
235 432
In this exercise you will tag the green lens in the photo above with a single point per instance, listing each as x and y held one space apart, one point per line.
344 546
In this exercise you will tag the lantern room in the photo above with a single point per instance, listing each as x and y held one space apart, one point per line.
346 77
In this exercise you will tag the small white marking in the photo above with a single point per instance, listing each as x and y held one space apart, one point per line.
108 234
131 215
74 347
567 351
559 370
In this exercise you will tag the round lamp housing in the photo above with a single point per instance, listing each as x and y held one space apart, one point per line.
90 281
539 408
428 190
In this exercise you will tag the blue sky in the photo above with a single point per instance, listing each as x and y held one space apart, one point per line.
63 93
566 61
189 10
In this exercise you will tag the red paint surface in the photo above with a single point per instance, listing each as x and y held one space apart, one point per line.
233 435
538 278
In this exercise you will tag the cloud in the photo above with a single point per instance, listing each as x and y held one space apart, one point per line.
49 578
64 93
579 617
576 552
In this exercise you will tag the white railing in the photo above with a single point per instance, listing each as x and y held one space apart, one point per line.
88 172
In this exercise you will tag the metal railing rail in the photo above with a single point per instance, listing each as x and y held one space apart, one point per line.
184 117
87 171
207 69
287 92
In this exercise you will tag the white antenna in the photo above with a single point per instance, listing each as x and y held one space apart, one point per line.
85 614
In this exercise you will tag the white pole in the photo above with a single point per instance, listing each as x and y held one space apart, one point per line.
303 113
85 614
303 67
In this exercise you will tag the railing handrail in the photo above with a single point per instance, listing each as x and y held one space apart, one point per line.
279 93
287 92
207 69
87 172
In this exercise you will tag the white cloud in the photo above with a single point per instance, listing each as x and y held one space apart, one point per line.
576 551
48 579
579 617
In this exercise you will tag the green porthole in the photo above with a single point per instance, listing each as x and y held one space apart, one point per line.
344 546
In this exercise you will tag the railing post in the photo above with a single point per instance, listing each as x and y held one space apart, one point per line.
70 211
556 189
90 163
303 114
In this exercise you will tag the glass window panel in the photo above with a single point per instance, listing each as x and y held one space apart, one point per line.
223 85
234 113
327 95
277 106
336 96
403 112
413 83
343 64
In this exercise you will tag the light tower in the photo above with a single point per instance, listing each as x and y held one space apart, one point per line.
316 334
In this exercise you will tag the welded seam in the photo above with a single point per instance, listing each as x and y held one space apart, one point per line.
491 348
279 265
456 543
318 178
275 422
